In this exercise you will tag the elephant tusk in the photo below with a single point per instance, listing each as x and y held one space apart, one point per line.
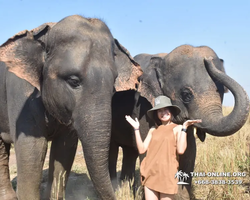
195 132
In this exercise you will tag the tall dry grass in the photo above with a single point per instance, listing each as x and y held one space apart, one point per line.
224 154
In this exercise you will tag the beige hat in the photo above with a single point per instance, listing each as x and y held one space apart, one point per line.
162 102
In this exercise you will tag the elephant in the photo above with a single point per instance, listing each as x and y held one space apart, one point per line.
195 80
56 84
145 58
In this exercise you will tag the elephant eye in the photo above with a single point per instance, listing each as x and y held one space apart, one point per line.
74 81
186 95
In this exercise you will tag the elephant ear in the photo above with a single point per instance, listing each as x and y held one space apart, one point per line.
128 69
24 53
151 82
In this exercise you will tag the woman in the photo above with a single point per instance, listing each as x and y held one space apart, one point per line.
163 142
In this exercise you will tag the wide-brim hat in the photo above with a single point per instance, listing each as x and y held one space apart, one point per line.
162 102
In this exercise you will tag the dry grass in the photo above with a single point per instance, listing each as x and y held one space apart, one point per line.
226 154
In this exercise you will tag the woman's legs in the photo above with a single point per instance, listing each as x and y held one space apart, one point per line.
166 196
151 194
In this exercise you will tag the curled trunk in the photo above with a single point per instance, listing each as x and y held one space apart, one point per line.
227 125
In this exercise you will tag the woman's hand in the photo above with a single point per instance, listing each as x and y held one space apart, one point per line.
182 138
135 123
190 122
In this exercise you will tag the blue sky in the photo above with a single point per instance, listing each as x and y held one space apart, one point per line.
151 26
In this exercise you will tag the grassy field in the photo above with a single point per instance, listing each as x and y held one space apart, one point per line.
227 154
224 154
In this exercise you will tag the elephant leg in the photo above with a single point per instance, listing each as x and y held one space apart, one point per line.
6 190
30 155
62 154
186 164
130 155
113 154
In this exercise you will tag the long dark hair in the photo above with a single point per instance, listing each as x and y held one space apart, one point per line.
172 119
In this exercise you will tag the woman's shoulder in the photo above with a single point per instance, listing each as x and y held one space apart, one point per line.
177 128
152 128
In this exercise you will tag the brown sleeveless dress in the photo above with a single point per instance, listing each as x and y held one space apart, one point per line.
159 167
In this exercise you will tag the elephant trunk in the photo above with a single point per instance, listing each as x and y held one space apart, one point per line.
94 129
227 125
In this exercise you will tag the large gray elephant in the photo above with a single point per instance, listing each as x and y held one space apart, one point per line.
57 83
194 79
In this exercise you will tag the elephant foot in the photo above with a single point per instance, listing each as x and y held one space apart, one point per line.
115 183
183 193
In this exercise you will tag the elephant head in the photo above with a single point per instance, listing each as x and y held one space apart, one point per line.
77 65
195 80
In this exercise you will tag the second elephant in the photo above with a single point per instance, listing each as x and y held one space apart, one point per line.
194 79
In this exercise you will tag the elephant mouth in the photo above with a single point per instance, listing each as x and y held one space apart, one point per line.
180 119
201 134
52 116
66 123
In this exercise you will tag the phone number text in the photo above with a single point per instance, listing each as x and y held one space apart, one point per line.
218 182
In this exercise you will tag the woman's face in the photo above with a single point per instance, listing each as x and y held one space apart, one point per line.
164 114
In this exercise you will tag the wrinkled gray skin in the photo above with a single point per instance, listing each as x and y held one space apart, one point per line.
194 82
57 83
